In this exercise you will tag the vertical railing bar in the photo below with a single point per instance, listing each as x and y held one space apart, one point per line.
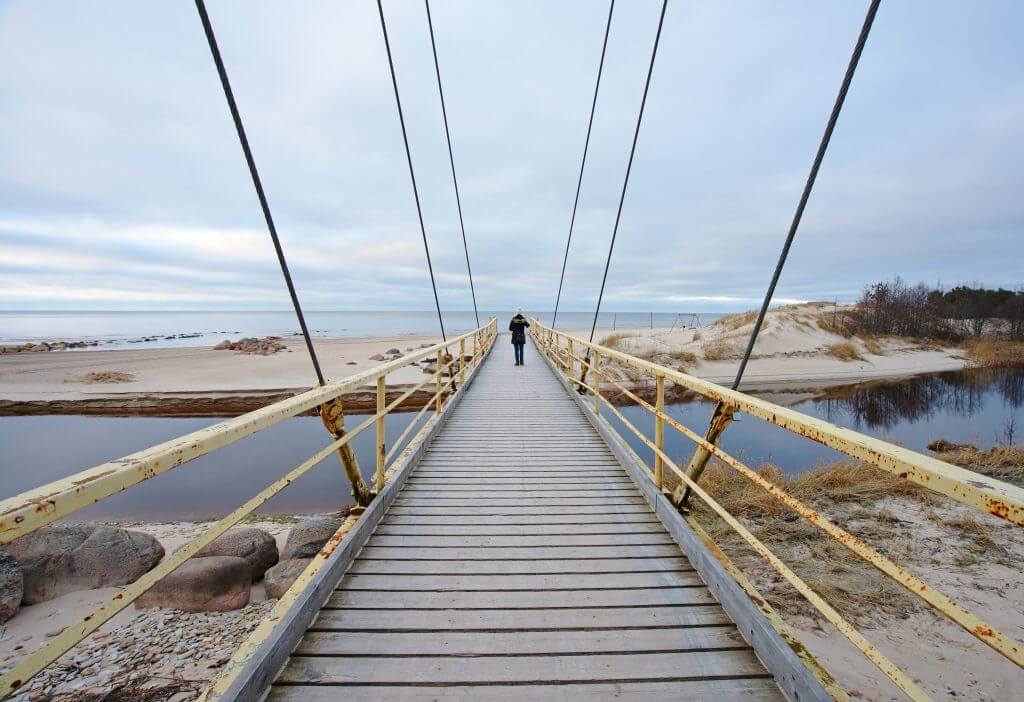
659 430
378 477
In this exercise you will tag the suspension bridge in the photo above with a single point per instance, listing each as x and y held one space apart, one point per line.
510 543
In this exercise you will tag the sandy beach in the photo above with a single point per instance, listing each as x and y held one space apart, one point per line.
794 353
193 381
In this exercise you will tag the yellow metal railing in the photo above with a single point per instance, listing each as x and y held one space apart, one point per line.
981 492
31 510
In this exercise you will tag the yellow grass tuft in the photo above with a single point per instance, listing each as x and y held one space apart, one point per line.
716 350
995 352
731 322
685 357
106 377
614 341
844 351
873 346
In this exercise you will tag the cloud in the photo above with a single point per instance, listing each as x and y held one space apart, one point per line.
122 184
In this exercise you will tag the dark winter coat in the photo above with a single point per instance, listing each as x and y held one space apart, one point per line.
518 327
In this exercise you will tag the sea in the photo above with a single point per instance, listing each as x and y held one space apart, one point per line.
142 329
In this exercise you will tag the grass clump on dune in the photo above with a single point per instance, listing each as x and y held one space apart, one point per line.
732 322
716 350
844 351
614 341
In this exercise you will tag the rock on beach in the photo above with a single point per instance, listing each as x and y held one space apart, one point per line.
12 587
257 547
208 584
306 539
280 577
266 346
56 560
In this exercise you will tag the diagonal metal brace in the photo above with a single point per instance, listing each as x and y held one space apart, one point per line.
721 419
333 417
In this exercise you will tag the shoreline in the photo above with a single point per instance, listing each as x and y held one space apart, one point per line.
198 381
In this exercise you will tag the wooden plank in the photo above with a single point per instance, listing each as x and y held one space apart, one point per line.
503 582
739 690
521 540
341 670
515 620
519 510
420 529
503 484
400 553
615 518
491 501
531 474
508 493
601 566
519 599
528 642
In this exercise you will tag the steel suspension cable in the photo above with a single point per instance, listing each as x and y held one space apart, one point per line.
723 414
811 177
412 172
257 183
629 165
451 159
583 162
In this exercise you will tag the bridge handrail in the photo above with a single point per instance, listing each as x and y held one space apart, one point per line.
966 486
34 509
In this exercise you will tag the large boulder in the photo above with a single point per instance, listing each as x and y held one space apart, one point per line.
12 587
306 539
256 546
210 584
280 577
56 560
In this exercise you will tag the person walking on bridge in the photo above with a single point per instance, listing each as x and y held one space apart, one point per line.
518 327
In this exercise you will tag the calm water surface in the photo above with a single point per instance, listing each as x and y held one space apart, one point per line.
972 406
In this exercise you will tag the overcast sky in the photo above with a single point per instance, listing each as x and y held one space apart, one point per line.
122 184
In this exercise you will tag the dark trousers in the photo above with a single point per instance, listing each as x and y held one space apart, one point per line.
519 353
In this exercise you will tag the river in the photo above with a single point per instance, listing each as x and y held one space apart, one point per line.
976 406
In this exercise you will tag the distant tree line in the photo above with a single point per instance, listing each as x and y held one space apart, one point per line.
963 312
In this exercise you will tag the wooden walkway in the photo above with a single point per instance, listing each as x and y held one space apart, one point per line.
520 561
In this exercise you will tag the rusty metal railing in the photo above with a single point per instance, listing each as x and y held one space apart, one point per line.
577 358
34 509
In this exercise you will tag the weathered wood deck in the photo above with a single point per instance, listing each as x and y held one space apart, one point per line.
521 561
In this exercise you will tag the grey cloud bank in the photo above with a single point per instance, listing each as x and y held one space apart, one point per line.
122 184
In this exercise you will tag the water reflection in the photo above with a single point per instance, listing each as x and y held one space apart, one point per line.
965 407
961 393
971 406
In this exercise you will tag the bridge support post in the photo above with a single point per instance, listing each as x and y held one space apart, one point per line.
462 362
378 476
333 417
437 380
721 419
596 361
659 432
570 361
